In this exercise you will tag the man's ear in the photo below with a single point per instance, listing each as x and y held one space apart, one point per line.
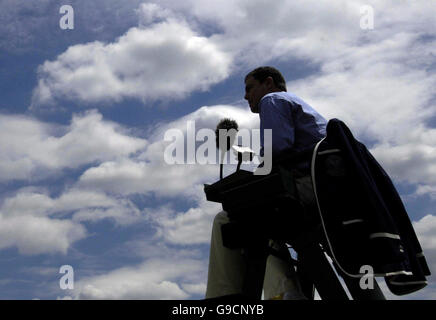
270 83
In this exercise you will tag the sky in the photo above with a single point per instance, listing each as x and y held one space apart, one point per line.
84 112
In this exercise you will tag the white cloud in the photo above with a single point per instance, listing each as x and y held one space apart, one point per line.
381 82
414 160
90 138
149 13
148 172
373 87
426 189
153 279
81 204
36 223
165 60
31 148
198 289
131 177
258 31
383 90
38 234
191 227
313 30
425 230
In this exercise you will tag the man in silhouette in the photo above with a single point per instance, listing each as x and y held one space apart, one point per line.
295 126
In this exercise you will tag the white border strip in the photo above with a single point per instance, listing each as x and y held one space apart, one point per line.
406 273
312 170
351 221
407 283
328 151
374 235
384 235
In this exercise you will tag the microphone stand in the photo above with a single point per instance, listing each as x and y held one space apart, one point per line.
239 161
244 153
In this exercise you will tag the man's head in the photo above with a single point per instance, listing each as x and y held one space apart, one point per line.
261 81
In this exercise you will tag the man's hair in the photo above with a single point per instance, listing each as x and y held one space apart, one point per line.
261 73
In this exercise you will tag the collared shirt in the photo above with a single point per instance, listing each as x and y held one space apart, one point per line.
295 124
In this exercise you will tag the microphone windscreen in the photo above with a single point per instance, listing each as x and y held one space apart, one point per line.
225 124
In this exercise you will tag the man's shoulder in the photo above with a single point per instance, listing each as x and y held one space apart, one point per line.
278 95
278 101
285 98
278 98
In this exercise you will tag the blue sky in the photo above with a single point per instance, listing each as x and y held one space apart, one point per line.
84 112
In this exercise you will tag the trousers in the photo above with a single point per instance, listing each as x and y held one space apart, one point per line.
227 267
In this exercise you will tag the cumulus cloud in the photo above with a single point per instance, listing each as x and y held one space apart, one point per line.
257 31
413 160
153 279
38 234
148 172
81 204
30 146
164 60
313 30
365 76
131 177
426 231
103 191
380 82
36 223
384 100
426 189
191 227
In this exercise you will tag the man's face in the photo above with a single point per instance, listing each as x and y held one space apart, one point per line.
254 91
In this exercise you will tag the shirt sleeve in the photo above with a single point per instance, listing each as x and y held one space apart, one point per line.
276 115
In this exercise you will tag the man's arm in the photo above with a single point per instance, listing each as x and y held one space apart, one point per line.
276 114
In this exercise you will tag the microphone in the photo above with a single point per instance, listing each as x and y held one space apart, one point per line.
225 135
